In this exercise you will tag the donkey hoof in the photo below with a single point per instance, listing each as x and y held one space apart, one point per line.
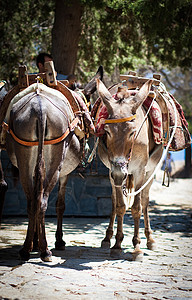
116 252
35 248
151 245
60 245
105 244
24 255
46 256
137 255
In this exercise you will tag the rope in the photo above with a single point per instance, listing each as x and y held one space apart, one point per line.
90 158
145 118
163 156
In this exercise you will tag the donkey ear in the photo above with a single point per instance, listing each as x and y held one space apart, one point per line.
90 87
105 95
142 94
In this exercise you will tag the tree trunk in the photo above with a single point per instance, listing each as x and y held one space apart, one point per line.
65 35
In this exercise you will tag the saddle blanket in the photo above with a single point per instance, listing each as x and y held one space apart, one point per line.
154 113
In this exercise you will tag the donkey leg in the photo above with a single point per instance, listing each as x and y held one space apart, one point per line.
28 244
120 211
145 204
26 182
136 214
3 189
36 239
109 232
46 254
60 208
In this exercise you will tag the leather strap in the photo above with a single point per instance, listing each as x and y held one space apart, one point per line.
49 142
120 120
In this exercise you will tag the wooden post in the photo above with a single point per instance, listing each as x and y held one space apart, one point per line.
133 73
157 76
23 80
50 73
136 82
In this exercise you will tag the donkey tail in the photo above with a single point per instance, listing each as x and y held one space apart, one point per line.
39 173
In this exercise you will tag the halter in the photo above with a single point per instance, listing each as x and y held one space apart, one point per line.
107 121
112 121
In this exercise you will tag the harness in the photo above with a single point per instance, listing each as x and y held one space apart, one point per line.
120 120
113 121
70 128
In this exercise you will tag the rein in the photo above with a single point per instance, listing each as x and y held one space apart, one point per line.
145 118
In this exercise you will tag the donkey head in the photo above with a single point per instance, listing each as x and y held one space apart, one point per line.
121 127
90 87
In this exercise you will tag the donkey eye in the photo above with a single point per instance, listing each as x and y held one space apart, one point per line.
107 132
131 121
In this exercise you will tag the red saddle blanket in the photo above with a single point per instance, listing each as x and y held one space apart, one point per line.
182 137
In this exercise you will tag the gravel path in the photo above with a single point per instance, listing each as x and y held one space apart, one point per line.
85 271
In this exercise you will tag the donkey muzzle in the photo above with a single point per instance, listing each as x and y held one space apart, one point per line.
119 171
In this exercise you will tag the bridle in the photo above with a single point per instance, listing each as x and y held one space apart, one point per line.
107 121
113 121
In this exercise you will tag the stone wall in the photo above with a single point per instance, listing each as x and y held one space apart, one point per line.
88 192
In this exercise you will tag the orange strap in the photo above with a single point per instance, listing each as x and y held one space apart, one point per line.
36 143
120 120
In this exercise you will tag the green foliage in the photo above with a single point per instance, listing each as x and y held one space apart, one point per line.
120 34
25 30
167 27
127 33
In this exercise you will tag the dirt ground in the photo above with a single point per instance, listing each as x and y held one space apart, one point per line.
85 271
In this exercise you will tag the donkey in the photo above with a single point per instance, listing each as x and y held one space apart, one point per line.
43 145
131 159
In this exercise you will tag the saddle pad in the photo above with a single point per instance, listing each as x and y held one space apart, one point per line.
33 88
156 119
182 137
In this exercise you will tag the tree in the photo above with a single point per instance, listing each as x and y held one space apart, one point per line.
126 33
65 35
121 33
25 30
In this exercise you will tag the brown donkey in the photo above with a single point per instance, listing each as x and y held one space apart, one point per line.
130 155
